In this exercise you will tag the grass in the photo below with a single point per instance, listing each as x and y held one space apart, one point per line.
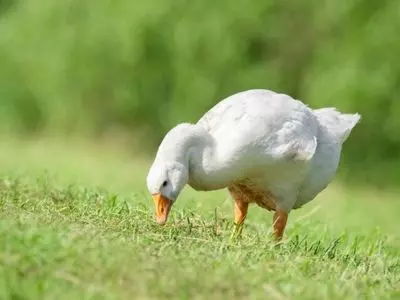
76 223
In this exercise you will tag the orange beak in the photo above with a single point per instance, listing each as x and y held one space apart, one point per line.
163 206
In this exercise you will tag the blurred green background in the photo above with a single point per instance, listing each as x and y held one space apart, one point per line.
136 68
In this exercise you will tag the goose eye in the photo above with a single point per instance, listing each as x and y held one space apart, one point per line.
165 183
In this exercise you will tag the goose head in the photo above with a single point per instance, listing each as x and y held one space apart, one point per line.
169 172
165 181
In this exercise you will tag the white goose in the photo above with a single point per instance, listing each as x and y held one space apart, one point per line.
266 148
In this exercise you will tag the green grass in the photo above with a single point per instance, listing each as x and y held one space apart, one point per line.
76 223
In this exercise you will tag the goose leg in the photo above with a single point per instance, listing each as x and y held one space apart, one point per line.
279 219
240 212
240 195
241 208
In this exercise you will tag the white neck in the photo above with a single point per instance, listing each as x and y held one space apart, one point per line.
196 149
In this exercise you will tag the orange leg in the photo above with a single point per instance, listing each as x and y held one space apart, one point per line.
241 208
240 215
240 211
279 219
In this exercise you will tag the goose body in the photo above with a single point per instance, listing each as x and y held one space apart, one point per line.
266 148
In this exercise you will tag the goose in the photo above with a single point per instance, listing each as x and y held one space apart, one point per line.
264 147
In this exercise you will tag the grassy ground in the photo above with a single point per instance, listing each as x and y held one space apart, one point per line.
77 223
